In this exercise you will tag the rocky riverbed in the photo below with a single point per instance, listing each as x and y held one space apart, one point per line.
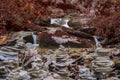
24 60
59 40
72 52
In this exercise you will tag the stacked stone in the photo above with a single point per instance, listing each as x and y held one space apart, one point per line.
102 65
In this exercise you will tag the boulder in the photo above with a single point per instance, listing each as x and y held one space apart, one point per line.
43 21
78 22
28 39
46 40
78 33
55 39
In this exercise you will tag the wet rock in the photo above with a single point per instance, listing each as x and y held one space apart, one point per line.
3 72
61 40
9 56
84 64
38 73
103 51
11 43
84 73
37 68
10 49
81 44
20 42
24 75
88 30
78 33
78 22
61 62
55 39
61 65
43 21
28 55
46 40
20 38
28 39
75 22
18 74
102 65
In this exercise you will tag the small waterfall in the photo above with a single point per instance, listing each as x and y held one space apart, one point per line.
97 42
60 21
34 38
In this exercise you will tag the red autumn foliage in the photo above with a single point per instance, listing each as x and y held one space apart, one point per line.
109 27
95 7
20 13
23 13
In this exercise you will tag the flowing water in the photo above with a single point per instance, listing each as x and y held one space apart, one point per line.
60 21
97 42
34 38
